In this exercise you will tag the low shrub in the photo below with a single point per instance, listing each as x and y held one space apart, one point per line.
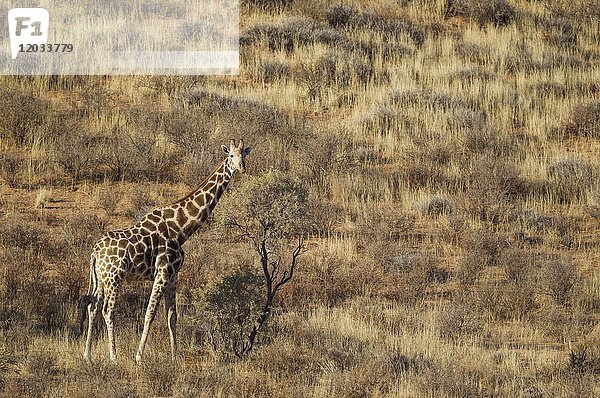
482 248
558 279
436 205
24 116
584 121
108 197
492 187
271 71
496 12
458 321
570 179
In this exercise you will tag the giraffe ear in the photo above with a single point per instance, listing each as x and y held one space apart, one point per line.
247 150
225 149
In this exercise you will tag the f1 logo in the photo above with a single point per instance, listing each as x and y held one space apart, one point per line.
27 26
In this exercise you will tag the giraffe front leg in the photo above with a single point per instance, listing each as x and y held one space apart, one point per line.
160 283
171 311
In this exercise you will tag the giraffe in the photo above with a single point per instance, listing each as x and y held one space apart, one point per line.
152 249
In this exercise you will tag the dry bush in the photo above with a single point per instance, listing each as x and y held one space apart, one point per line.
141 201
492 187
360 381
74 150
158 378
41 362
544 88
371 49
290 34
584 358
335 69
558 30
496 12
387 223
79 232
562 324
518 265
222 380
108 197
584 121
458 321
482 248
7 363
256 120
419 173
579 10
593 207
436 205
410 276
268 5
558 279
474 52
429 99
140 151
570 179
348 17
506 300
20 233
32 301
24 116
486 139
12 168
271 71
452 380
285 359
454 228
341 15
565 228
472 75
520 59
330 280
101 378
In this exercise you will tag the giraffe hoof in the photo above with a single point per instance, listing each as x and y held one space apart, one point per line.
138 358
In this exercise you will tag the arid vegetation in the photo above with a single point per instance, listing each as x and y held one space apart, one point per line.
441 159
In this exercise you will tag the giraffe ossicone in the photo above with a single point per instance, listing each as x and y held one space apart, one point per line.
152 250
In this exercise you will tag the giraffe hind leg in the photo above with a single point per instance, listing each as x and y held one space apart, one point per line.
108 308
92 310
171 312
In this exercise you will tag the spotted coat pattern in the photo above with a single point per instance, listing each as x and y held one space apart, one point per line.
152 250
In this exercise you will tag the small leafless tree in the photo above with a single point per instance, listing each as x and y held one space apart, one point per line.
270 213
277 272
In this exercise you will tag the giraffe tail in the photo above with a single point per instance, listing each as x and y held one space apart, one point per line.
93 285
89 297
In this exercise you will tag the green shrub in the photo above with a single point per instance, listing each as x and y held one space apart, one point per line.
229 309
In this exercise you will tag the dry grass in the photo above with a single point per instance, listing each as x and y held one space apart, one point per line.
449 150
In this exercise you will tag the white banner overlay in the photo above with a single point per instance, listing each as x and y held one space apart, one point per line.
117 37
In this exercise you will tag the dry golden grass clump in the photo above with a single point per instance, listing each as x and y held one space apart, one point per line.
448 157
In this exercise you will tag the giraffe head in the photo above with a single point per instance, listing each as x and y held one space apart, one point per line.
236 155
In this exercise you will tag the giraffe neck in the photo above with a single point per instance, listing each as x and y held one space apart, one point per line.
193 210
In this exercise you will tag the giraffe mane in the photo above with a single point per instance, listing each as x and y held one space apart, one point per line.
191 194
